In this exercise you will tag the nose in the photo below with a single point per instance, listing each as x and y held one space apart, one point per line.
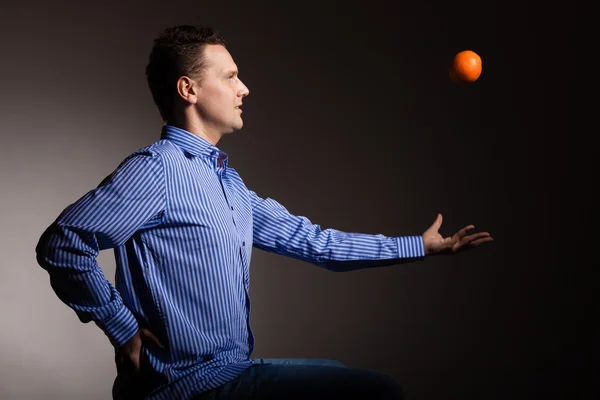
243 90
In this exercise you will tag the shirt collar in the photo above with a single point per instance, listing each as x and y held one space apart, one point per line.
191 144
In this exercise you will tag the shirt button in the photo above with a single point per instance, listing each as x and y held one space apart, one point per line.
232 207
243 243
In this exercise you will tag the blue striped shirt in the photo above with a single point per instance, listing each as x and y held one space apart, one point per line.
182 225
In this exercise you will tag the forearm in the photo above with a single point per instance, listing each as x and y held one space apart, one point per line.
69 257
278 231
342 251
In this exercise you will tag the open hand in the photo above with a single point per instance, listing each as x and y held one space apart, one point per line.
434 243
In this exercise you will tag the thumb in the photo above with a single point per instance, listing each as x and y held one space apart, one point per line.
146 334
438 222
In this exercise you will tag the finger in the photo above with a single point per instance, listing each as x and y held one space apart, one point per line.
475 236
146 334
472 241
438 222
136 362
127 363
481 241
460 234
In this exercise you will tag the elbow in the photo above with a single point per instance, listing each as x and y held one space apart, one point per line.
63 247
339 266
43 248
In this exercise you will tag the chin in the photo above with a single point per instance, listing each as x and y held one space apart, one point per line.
232 129
234 124
237 126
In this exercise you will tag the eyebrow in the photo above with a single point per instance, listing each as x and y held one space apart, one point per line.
230 71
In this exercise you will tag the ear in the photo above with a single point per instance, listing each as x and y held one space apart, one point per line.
187 88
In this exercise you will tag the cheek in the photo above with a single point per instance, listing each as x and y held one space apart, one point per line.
224 97
219 100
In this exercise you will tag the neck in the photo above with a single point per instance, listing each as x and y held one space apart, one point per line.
197 127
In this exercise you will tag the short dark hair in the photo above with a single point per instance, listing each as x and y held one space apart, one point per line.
176 52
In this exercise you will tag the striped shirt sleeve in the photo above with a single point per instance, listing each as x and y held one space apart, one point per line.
278 231
133 195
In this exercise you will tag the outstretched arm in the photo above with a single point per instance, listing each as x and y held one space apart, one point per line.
278 231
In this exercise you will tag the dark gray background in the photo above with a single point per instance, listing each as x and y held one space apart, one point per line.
353 122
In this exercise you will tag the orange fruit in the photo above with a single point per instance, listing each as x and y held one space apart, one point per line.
465 67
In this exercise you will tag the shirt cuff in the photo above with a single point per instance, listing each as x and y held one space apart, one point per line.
410 247
120 327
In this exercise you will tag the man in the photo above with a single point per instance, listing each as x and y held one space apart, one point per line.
182 225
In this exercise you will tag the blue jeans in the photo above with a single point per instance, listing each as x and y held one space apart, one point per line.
299 378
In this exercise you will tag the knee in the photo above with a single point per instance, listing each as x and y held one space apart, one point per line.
381 386
332 363
392 389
